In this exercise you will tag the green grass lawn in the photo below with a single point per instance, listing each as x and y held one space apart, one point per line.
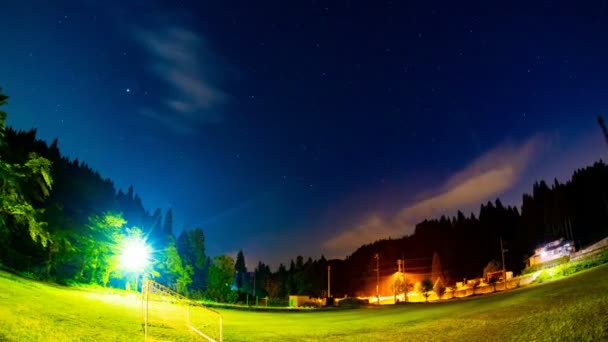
570 309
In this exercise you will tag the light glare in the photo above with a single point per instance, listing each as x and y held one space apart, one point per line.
135 255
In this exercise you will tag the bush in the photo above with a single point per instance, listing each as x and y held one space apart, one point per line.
546 265
29 275
571 268
542 277
352 303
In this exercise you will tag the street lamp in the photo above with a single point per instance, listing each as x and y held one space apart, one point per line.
135 257
135 254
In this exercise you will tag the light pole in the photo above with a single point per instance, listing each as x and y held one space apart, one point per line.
504 269
398 283
328 281
135 257
377 257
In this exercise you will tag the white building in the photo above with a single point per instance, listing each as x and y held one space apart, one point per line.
551 251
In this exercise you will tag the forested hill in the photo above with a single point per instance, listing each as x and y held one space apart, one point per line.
78 198
464 244
60 220
78 189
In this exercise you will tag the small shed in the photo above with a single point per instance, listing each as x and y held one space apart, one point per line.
301 301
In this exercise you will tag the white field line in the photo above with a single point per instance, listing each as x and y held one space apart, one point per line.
200 333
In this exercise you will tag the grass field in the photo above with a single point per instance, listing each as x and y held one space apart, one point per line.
570 309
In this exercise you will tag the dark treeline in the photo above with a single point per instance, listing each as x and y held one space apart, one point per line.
301 277
77 205
62 221
463 245
576 210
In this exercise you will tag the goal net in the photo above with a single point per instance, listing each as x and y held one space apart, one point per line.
170 316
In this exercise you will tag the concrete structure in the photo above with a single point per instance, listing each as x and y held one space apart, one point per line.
593 249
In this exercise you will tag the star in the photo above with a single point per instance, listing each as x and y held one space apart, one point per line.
128 90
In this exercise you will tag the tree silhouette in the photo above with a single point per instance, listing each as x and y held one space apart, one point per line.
241 269
426 286
439 288
168 226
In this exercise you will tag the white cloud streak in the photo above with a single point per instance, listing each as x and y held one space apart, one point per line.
488 176
181 59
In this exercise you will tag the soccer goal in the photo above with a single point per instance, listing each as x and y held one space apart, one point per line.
170 316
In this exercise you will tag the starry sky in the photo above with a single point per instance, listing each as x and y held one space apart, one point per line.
311 127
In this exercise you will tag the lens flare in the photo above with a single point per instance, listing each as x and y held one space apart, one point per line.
135 255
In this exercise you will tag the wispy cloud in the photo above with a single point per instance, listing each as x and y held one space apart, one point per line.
488 176
182 59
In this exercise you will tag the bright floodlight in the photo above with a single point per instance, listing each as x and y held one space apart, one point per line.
135 254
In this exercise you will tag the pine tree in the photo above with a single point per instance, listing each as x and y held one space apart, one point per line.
191 246
439 288
221 275
173 271
168 226
241 269
436 271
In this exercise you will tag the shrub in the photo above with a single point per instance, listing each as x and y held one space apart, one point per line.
352 303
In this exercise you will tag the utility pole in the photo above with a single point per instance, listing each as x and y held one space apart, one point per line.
328 281
504 270
377 256
256 297
397 280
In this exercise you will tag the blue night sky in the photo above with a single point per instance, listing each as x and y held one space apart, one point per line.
311 127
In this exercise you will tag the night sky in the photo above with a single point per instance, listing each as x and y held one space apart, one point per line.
311 127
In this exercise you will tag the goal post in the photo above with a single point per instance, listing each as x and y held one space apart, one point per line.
170 316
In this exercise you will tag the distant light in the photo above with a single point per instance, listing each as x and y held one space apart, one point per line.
135 255
128 90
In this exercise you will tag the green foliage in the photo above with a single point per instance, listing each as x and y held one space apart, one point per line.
191 248
548 264
39 171
173 272
16 194
570 268
99 247
3 101
221 275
